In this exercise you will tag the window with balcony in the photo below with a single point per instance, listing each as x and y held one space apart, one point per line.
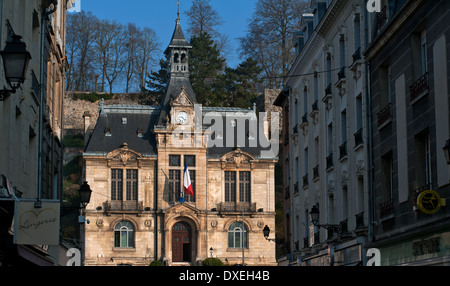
387 172
237 191
420 86
423 170
384 83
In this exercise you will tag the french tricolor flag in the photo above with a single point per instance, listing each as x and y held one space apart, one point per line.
187 182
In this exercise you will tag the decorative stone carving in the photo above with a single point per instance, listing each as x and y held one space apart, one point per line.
360 168
123 156
237 159
344 178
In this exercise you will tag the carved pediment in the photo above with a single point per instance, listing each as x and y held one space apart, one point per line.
182 99
123 156
237 159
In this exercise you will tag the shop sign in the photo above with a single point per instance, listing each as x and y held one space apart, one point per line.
429 202
36 226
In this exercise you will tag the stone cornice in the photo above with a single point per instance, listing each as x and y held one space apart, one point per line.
391 28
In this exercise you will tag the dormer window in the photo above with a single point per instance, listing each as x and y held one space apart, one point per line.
124 120
108 132
140 133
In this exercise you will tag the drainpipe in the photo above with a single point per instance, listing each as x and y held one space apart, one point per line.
371 216
44 19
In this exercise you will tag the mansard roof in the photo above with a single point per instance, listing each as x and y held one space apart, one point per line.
119 124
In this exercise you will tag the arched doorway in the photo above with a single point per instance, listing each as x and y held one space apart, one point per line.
181 242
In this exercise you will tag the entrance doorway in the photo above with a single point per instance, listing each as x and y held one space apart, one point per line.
181 242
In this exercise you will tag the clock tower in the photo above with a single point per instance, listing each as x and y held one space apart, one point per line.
177 106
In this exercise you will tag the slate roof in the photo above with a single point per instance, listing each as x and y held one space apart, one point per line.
174 88
147 118
137 117
250 135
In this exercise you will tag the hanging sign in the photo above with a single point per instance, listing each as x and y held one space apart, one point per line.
429 202
36 226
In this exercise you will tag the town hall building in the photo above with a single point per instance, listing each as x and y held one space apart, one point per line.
137 159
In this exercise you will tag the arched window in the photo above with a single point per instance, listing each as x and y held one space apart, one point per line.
124 235
176 58
237 235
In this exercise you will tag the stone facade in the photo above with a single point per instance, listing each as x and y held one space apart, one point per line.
408 54
135 164
31 119
328 146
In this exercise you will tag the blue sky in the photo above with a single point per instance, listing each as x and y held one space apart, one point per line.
160 15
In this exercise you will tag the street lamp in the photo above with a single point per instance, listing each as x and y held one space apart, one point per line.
266 232
314 213
85 196
15 63
447 151
211 252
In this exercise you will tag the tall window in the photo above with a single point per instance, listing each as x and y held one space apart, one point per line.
244 186
423 159
174 185
423 51
124 235
237 235
116 184
231 183
230 186
132 185
387 167
385 85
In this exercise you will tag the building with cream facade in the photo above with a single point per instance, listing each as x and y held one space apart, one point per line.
31 121
135 162
328 150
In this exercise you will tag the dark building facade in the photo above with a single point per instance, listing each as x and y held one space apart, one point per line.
408 56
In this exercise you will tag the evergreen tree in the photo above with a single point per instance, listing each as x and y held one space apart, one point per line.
156 85
243 84
206 69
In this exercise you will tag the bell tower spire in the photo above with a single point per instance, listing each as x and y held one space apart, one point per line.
178 51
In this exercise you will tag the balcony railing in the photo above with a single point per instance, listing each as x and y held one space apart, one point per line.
305 181
419 88
358 137
343 150
328 90
384 116
124 206
315 106
316 172
305 118
386 208
360 220
296 188
357 55
341 73
329 160
237 207
295 130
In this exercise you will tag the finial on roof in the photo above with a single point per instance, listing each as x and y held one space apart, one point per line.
101 106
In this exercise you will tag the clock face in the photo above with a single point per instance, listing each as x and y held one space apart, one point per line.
182 117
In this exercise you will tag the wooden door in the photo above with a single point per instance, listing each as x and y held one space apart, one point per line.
181 242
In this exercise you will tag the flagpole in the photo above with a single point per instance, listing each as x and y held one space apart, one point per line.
242 238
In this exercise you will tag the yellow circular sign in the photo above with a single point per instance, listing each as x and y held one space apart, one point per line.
429 202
